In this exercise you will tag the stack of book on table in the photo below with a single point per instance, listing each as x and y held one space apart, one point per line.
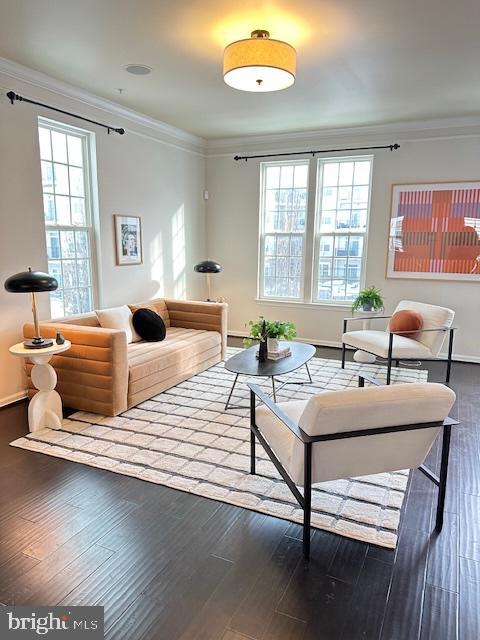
278 355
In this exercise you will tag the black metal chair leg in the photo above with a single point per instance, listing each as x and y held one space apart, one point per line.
252 435
442 489
389 359
307 498
344 346
449 359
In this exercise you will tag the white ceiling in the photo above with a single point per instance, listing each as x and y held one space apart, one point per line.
359 62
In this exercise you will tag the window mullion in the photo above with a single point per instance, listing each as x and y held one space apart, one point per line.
309 235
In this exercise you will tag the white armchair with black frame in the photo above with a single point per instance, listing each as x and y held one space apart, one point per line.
352 432
422 344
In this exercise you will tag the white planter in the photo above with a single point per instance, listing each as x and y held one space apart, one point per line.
273 345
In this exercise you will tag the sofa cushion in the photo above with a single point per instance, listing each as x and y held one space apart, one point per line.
118 318
182 348
149 325
158 305
405 321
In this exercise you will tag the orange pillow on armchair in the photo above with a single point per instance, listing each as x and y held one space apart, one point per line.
406 320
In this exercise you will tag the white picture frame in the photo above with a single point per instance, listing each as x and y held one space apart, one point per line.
128 239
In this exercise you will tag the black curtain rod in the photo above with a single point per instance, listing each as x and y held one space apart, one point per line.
12 96
392 147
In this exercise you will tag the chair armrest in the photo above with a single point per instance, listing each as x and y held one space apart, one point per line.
444 329
343 435
277 411
366 318
347 320
209 316
93 373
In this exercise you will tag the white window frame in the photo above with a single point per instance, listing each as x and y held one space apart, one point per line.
311 234
262 233
91 199
318 234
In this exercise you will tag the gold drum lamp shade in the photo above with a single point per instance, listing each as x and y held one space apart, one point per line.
259 63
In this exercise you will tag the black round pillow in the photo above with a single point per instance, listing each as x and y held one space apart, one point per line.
149 325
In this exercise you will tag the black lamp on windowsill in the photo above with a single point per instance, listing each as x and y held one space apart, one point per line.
32 282
208 267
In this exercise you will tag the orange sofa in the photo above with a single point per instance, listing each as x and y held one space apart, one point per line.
103 374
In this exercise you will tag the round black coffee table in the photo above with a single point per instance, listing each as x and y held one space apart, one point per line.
246 363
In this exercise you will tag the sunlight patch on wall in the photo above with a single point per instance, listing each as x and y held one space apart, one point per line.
157 269
179 254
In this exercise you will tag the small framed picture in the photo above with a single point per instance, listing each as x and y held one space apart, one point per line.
128 239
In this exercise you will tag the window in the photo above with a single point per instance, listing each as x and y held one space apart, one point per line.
67 203
343 194
325 265
283 210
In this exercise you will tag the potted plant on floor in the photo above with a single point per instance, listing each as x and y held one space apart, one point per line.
268 333
368 299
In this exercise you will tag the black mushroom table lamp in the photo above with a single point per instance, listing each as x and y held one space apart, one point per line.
32 282
208 267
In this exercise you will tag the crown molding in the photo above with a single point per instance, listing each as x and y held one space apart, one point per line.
278 142
172 134
384 133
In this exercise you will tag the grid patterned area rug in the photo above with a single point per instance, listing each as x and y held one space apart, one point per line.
183 438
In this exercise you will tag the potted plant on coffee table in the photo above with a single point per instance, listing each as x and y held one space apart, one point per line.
368 299
268 333
277 331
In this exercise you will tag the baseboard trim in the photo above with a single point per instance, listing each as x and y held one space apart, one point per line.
14 397
457 357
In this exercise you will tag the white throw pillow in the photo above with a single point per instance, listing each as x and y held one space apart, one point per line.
118 318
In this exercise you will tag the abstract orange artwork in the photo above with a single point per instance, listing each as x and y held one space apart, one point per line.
435 231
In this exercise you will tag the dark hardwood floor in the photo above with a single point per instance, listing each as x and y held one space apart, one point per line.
168 565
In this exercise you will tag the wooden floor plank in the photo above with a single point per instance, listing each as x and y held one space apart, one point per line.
404 608
365 614
308 582
442 569
469 600
257 611
253 561
469 524
348 561
439 618
282 627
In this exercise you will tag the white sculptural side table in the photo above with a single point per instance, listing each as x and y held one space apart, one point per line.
45 408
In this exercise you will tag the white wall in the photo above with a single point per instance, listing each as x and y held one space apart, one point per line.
233 230
141 173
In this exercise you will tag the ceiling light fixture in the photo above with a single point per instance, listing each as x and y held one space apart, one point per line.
138 69
259 63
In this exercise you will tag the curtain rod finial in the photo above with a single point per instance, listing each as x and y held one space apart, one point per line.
12 96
